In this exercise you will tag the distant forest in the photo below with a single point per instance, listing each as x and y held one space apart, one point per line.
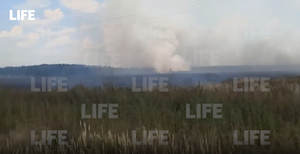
94 76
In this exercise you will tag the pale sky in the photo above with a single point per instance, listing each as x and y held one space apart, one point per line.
155 33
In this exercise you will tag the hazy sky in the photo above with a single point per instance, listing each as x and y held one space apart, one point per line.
151 33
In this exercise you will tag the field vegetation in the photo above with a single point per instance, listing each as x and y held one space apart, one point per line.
278 111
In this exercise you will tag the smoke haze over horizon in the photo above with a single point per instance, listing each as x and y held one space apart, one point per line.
159 34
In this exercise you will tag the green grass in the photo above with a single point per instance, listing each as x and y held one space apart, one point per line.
278 111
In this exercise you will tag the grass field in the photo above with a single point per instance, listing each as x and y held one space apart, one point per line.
278 111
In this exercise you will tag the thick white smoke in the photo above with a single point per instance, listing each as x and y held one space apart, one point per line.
153 33
142 43
177 41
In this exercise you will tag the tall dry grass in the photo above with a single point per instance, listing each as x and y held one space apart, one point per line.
278 111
